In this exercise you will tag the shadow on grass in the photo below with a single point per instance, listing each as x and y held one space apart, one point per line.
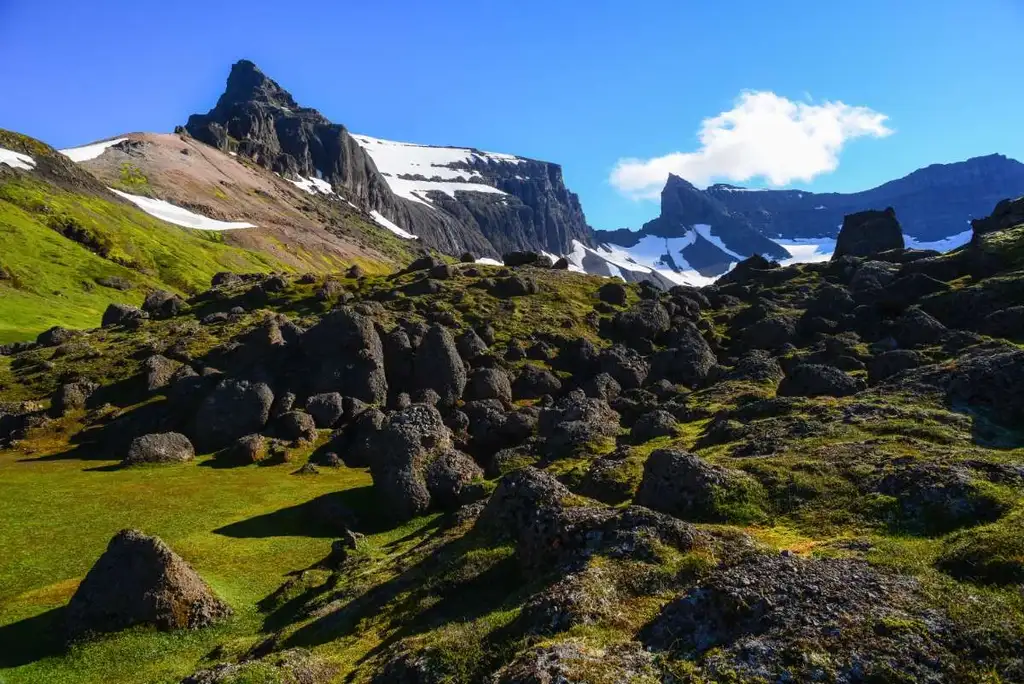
32 639
325 516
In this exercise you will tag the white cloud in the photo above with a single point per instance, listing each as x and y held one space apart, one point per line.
764 135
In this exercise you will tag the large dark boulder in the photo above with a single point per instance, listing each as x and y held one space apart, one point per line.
818 380
889 363
653 425
71 396
533 382
626 366
1007 214
439 367
326 409
489 383
162 304
345 355
120 314
612 293
868 232
688 487
56 336
414 465
296 426
577 424
140 581
993 382
235 408
647 319
513 259
688 362
165 447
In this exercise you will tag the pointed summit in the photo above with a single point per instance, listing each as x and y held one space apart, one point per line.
246 83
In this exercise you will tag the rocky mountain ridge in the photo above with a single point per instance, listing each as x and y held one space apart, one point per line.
516 203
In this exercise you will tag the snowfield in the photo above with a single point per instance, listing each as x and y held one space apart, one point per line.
396 159
943 245
647 256
314 186
16 160
807 250
87 152
179 216
385 223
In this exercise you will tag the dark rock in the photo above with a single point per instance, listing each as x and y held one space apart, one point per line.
470 345
247 449
993 382
653 425
346 356
757 366
602 386
533 382
574 662
1007 214
688 487
513 259
514 286
56 336
355 271
225 279
688 362
120 314
71 396
577 423
234 408
405 450
439 367
296 426
162 304
443 272
916 328
868 232
488 383
468 258
326 409
818 380
157 372
612 293
611 480
628 368
292 666
139 581
1008 323
166 447
360 438
890 363
647 319
935 500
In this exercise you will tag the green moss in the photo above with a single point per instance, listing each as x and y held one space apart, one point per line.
56 244
991 554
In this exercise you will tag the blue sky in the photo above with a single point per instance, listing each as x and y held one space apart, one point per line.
584 84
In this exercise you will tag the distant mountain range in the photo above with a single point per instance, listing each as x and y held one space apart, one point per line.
320 186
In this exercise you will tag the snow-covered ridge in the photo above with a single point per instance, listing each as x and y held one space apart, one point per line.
398 160
87 152
314 186
385 223
16 160
179 216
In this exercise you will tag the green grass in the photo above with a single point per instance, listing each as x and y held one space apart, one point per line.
51 279
47 552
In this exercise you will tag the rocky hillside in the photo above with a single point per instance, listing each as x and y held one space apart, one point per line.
471 473
933 203
453 199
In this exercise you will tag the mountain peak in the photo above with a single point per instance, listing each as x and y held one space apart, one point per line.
246 83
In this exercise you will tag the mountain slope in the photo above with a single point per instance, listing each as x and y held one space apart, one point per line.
68 246
296 224
932 203
486 204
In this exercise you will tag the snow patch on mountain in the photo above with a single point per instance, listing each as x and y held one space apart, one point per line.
385 223
807 250
314 186
16 160
87 152
650 256
943 245
398 161
704 230
179 216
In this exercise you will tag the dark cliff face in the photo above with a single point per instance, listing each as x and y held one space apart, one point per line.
933 203
258 119
708 250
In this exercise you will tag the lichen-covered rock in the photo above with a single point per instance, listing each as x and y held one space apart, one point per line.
326 409
818 380
653 425
71 396
140 581
296 426
119 314
292 666
439 367
533 382
235 408
165 447
690 488
346 356
488 383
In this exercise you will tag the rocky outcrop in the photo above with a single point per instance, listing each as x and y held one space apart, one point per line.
139 580
257 119
867 233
